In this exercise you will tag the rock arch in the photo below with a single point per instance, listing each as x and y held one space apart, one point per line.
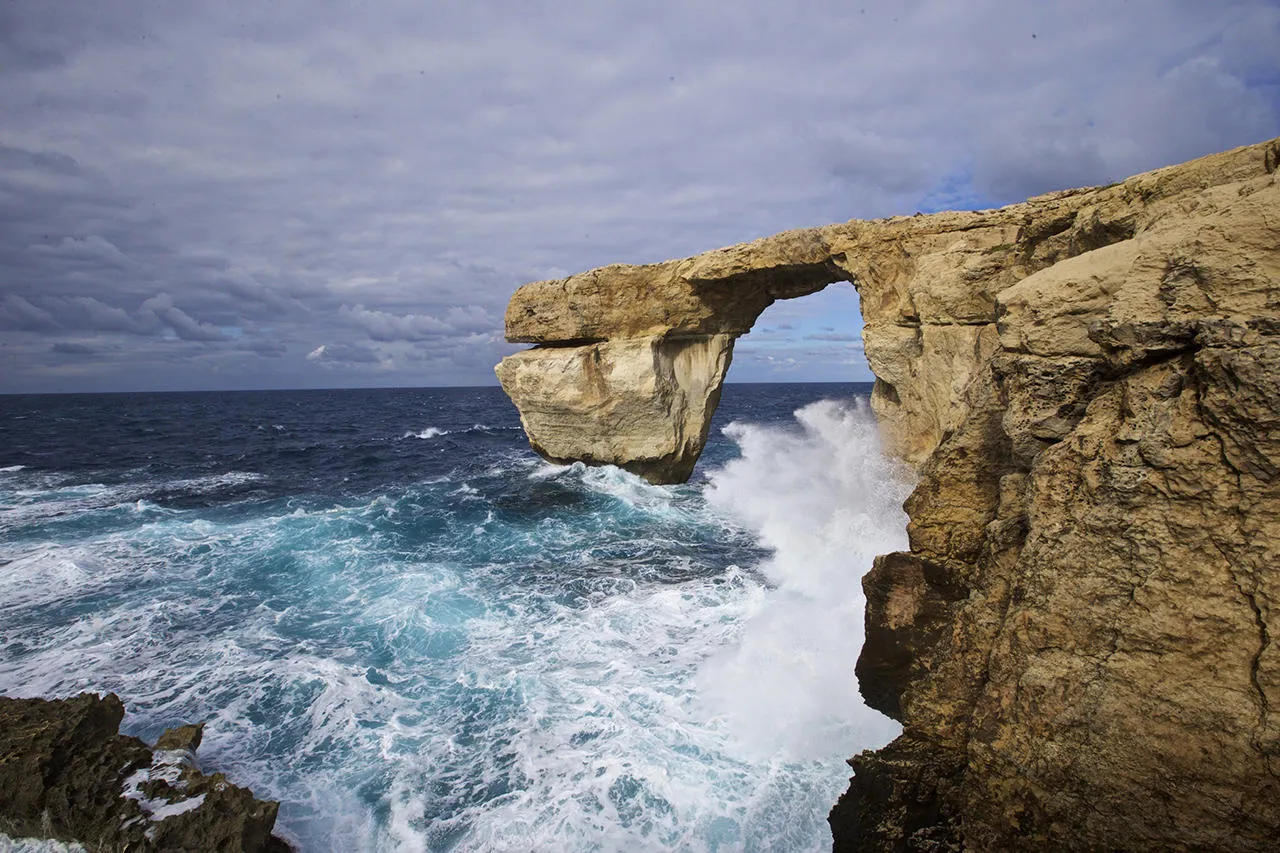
1087 382
630 359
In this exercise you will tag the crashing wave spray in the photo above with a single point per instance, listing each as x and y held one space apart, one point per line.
827 502
711 714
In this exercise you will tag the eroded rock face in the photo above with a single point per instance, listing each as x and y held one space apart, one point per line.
1080 643
630 360
1089 661
67 773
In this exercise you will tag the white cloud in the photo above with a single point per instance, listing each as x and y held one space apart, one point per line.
344 353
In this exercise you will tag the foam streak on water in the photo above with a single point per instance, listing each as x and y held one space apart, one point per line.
492 654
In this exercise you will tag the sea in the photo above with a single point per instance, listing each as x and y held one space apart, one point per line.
405 626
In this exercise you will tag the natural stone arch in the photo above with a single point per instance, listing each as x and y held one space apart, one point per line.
1088 381
630 360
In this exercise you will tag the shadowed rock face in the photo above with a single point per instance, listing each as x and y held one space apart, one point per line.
1080 643
643 403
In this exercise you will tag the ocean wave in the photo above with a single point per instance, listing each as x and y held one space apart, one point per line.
436 432
211 483
57 500
429 432
514 656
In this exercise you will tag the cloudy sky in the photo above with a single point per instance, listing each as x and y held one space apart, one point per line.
313 194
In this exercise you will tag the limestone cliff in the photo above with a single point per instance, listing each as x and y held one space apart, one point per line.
1079 643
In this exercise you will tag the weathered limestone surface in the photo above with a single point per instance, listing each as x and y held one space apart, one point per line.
644 402
1081 641
67 773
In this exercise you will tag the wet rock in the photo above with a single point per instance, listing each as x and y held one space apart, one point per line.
67 773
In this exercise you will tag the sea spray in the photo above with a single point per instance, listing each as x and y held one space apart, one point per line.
826 501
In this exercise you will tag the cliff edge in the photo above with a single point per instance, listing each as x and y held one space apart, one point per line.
1080 642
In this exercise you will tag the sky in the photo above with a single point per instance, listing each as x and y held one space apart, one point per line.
307 194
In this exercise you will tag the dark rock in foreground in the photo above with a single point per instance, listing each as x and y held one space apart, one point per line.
67 773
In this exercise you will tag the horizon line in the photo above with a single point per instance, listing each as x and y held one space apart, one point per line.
372 388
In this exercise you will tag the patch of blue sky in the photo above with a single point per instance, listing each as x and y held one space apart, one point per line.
956 191
816 338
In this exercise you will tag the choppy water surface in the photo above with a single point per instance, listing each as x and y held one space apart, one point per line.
416 635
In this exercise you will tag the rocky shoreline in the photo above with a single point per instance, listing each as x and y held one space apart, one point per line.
66 773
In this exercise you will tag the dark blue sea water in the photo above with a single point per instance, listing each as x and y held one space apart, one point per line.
417 635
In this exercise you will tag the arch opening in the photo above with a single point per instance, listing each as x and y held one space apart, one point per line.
813 338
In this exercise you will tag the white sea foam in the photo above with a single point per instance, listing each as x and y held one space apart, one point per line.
38 845
629 488
429 432
707 715
12 469
550 470
827 502
58 502
436 432
605 479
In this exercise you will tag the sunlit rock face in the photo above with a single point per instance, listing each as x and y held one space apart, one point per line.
642 403
1080 642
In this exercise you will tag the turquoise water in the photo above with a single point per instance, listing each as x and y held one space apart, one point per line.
417 635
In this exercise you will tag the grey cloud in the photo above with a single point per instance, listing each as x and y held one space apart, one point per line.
162 307
85 312
73 348
13 160
18 313
244 285
268 349
91 248
385 326
834 337
279 175
1192 109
